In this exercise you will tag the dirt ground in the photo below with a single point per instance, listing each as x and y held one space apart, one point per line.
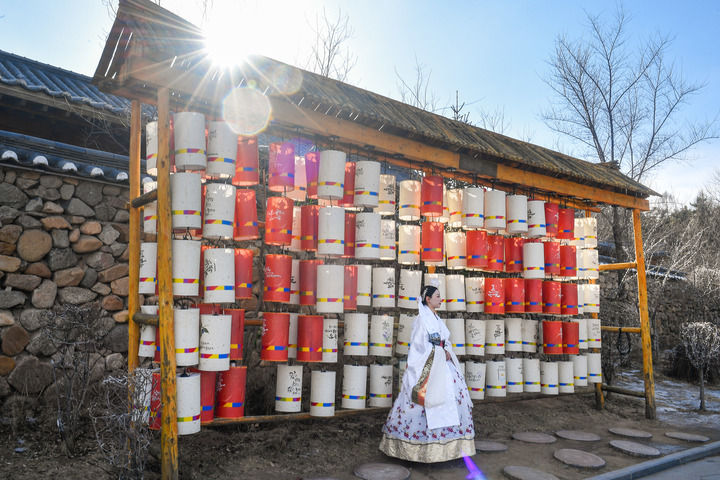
331 448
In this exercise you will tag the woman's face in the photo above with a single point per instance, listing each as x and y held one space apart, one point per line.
435 300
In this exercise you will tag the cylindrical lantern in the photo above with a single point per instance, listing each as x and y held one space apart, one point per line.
549 378
456 250
208 383
495 295
312 166
529 332
367 183
188 403
288 388
331 174
409 245
148 268
278 221
457 334
387 239
187 336
189 141
292 335
552 337
246 162
381 385
455 286
582 333
367 235
383 287
186 203
309 227
186 267
568 261
496 253
275 336
552 258
299 192
455 207
402 342
331 231
308 281
514 375
594 333
445 217
356 334
296 231
517 212
551 219
215 331
533 296
580 370
219 211
348 186
551 297
310 338
354 387
350 287
571 335
475 379
495 336
330 340
364 285
222 150
322 394
386 197
514 254
437 280
151 148
536 218
473 208
381 335
590 264
278 271
281 167
569 299
237 333
432 241
243 273
219 268
495 379
150 210
231 393
531 375
533 260
494 210
476 247
566 223
474 337
590 232
431 195
246 222
513 335
330 288
591 298
594 367
409 288
147 344
295 282
579 233
475 294
514 295
349 235
410 199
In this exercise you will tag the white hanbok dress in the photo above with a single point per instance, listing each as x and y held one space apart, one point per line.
443 429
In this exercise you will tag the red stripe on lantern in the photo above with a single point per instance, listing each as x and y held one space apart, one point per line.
310 338
246 221
278 221
278 271
431 196
275 333
246 164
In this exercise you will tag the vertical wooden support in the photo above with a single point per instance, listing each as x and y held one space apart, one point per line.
168 436
134 240
644 319
599 397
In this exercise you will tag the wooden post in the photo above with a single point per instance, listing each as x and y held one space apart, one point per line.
168 436
644 319
134 240
599 397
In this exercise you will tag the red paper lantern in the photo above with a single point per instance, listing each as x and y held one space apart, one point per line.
551 219
533 295
350 285
243 273
569 299
552 337
552 258
494 296
278 221
309 227
349 235
275 333
246 221
496 253
514 254
237 333
568 261
348 199
278 271
566 223
476 247
310 338
281 167
231 393
433 236
571 338
514 295
308 281
208 381
246 164
431 196
551 297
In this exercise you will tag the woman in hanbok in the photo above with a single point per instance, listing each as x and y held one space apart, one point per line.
431 419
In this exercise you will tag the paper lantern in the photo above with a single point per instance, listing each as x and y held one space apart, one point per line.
146 347
208 382
275 336
568 261
364 285
186 203
410 199
278 270
455 285
495 295
331 175
432 241
531 375
496 253
367 183
215 331
594 367
445 217
455 207
299 192
281 167
350 287
568 299
533 260
295 282
231 392
582 333
474 337
536 218
310 338
590 264
331 231
517 214
475 379
219 211
349 235
188 403
187 336
237 332
580 370
571 338
514 375
189 141
309 227
312 166
381 385
243 273
322 394
409 288
456 250
551 297
549 378
594 333
354 387
387 239
330 340
514 254
308 281
514 295
494 210
476 247
246 163
551 219
591 298
278 221
473 208
383 287
533 295
566 223
246 221
151 148
475 294
409 245
386 196
186 267
552 258
330 288
356 334
288 388
381 335
495 379
552 337
148 268
367 235
348 186
150 210
296 231
431 195
219 270
222 150
590 232
529 333
578 239
402 342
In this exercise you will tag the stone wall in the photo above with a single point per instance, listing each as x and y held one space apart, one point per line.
63 240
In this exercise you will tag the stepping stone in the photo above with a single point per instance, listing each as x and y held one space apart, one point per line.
630 432
534 437
487 446
688 437
577 435
381 471
527 473
635 449
578 458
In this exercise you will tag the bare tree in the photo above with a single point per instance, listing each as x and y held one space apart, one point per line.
457 110
494 120
702 345
330 56
622 103
417 92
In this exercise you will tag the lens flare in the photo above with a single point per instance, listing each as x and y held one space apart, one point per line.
475 473
246 110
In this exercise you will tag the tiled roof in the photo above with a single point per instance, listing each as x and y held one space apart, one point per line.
58 83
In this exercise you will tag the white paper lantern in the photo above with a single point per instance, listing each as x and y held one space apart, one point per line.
591 263
402 343
409 289
188 403
185 189
386 201
473 208
288 388
580 370
474 337
475 294
356 334
219 270
215 342
517 214
330 340
367 183
151 148
189 128
150 210
456 253
594 333
533 260
381 385
475 379
148 268
513 335
457 334
455 285
364 285
367 235
594 366
409 245
383 287
494 210
495 379
582 333
536 219
566 382
331 175
529 335
222 150
186 267
445 217
514 375
409 202
299 193
590 232
591 298
579 233
330 288
387 239
187 336
322 394
354 387
331 231
495 336
381 335
146 348
455 204
549 378
531 375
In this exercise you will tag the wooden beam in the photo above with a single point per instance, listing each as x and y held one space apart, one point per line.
143 199
147 319
608 328
622 391
617 266
644 319
168 431
134 240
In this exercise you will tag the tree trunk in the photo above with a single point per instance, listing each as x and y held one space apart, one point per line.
702 389
618 232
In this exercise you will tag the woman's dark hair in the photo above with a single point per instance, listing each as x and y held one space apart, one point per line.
428 291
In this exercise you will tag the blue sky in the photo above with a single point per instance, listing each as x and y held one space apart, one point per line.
493 52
